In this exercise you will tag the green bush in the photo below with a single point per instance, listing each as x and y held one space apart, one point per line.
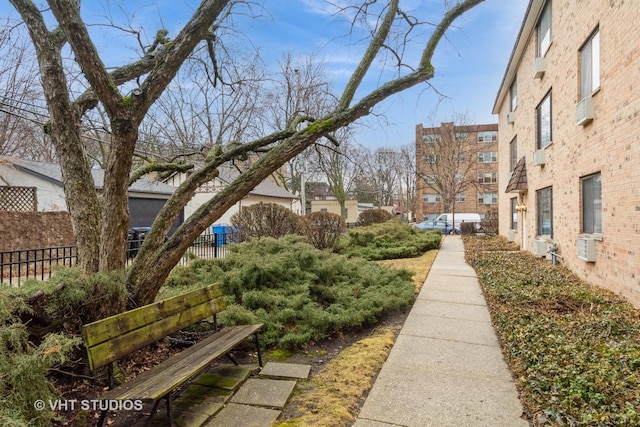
24 365
323 229
389 240
574 348
302 294
265 220
374 216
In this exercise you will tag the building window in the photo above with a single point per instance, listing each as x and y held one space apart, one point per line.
460 137
429 179
488 198
431 138
544 208
592 204
488 157
488 177
590 65
513 154
323 209
544 30
346 212
431 198
460 197
488 137
513 95
543 114
514 213
431 159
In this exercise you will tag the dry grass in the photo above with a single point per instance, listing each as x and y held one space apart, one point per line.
332 398
420 266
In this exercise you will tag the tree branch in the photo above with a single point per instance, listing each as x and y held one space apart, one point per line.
367 59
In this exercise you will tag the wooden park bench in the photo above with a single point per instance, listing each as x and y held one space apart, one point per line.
110 339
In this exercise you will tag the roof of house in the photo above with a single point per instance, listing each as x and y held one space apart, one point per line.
518 180
53 173
266 188
528 25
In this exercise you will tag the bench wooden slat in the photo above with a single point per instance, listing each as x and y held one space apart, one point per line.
122 345
111 327
173 372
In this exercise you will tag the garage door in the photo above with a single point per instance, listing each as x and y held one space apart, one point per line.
144 211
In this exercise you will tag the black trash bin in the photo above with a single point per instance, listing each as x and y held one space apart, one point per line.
135 238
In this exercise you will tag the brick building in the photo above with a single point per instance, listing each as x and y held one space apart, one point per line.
569 145
471 152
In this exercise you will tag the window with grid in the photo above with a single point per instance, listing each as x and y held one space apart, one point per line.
488 198
487 177
543 115
460 197
513 154
431 198
590 65
431 159
488 157
543 30
488 137
431 138
544 211
592 203
513 95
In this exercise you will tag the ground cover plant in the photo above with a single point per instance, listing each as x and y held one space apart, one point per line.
573 348
302 294
388 240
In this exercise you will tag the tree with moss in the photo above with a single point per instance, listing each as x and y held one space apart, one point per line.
128 92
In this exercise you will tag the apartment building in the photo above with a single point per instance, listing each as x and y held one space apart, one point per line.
456 166
569 140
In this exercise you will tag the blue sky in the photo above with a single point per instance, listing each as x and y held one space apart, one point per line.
469 63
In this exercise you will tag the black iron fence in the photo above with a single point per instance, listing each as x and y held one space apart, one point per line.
17 266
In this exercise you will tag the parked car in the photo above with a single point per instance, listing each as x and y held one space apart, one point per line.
438 224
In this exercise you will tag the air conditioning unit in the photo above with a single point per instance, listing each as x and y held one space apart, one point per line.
539 157
540 247
539 66
586 249
511 235
511 117
584 111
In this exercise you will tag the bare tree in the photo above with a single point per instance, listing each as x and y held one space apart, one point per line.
407 171
339 166
449 160
22 112
127 94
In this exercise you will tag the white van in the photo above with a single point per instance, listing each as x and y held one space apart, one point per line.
460 217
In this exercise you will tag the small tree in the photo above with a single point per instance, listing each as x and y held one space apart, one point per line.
265 220
374 216
323 229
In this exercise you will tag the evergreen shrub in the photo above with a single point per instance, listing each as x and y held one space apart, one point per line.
302 294
389 240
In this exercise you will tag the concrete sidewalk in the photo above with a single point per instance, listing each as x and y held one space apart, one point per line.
446 367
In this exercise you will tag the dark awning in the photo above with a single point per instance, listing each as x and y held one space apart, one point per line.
518 181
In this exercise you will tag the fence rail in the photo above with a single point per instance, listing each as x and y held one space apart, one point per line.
17 266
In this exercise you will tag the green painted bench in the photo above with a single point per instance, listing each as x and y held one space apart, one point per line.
110 339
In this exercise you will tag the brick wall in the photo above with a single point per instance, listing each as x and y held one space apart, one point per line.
31 230
472 148
609 145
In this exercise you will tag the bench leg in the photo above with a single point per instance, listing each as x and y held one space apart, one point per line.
153 411
103 414
169 413
258 348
